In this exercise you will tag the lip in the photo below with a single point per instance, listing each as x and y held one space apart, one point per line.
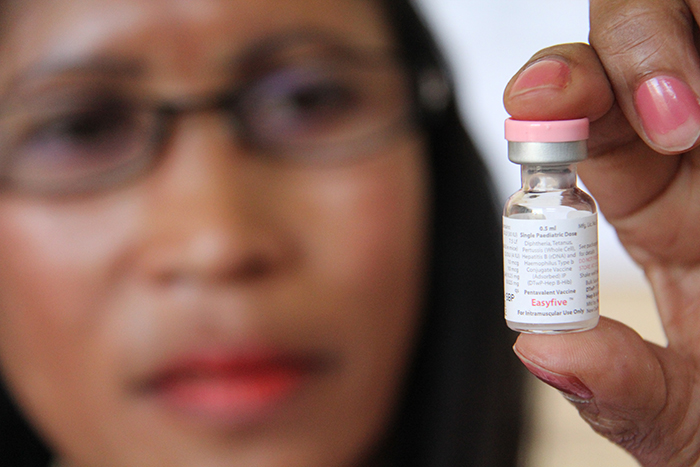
232 387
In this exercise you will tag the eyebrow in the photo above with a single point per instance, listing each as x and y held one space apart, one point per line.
269 46
95 65
259 50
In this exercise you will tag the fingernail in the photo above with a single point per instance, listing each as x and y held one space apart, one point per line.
569 385
575 399
669 112
547 73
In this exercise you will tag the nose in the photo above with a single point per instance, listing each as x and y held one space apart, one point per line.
210 213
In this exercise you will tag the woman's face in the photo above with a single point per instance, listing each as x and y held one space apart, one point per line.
225 308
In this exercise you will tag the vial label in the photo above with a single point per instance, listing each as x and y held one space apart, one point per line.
551 269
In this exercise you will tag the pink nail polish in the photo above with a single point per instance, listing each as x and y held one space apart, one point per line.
669 112
547 73
568 384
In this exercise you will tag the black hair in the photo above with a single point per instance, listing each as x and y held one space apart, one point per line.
20 446
463 399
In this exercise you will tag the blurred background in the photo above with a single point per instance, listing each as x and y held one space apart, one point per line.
486 42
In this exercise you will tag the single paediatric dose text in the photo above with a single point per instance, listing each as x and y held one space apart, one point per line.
551 269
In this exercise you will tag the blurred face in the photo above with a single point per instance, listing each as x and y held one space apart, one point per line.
251 297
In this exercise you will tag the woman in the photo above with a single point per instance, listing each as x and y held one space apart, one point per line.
244 233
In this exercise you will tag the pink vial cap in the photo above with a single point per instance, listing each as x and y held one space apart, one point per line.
554 131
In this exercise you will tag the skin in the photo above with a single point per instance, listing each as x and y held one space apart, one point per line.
646 186
214 248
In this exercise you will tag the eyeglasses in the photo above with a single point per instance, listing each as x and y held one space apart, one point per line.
92 131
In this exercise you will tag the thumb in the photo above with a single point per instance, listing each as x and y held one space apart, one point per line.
636 394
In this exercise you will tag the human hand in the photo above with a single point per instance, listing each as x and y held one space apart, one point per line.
638 84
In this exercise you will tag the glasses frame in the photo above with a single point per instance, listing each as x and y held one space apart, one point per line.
427 91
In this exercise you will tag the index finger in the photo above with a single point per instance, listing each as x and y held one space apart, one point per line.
649 54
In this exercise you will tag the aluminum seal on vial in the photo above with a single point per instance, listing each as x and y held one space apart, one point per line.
547 142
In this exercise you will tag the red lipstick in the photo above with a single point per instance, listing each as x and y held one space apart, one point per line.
231 388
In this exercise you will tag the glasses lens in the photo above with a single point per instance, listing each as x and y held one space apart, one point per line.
73 142
320 108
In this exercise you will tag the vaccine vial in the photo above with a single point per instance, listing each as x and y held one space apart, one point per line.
550 231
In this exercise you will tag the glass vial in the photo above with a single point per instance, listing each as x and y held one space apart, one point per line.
550 231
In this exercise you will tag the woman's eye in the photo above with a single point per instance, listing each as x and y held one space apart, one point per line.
82 127
73 141
319 98
300 103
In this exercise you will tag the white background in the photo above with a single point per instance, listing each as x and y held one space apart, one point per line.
486 42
